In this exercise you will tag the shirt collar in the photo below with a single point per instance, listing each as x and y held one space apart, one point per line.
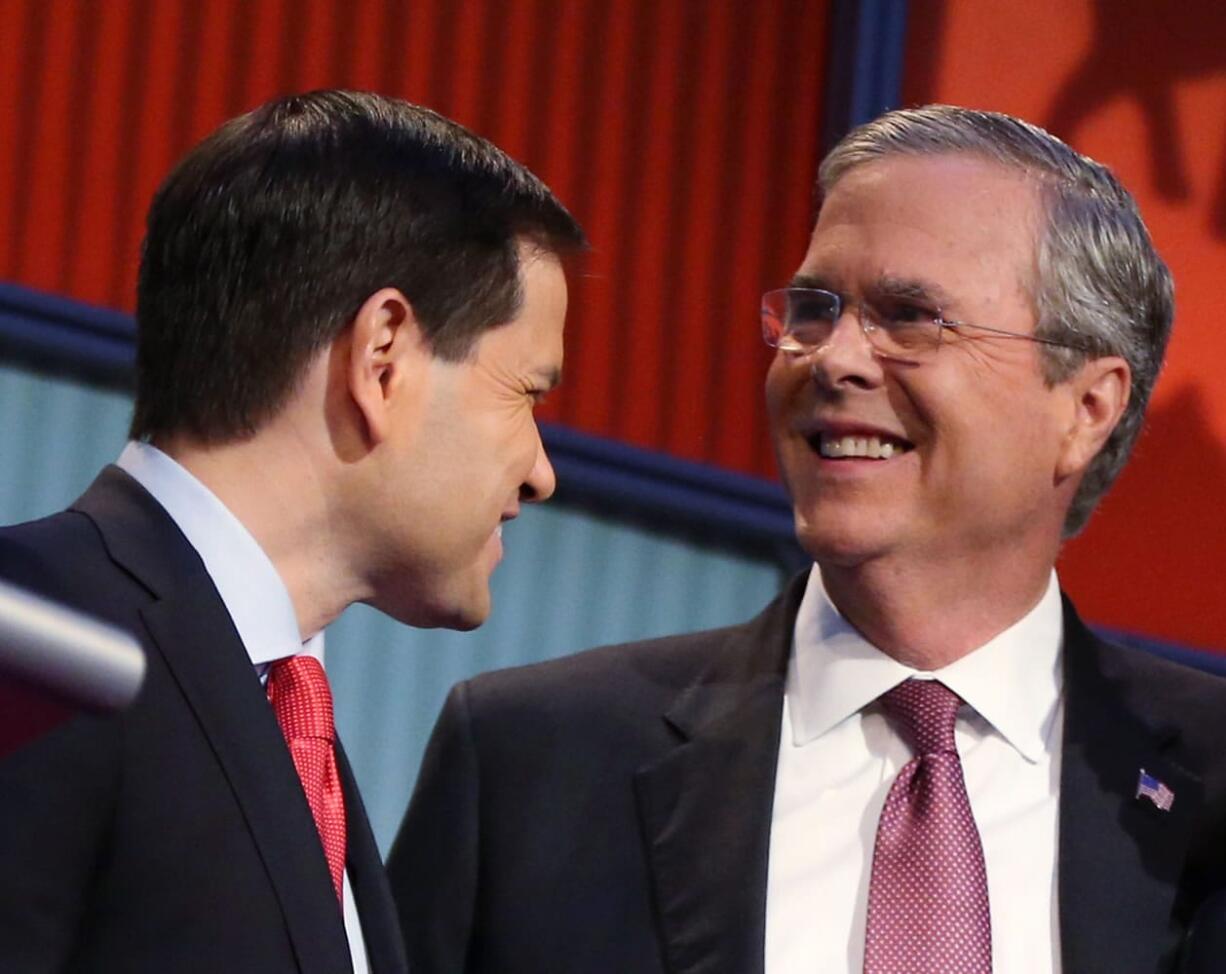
245 577
1013 681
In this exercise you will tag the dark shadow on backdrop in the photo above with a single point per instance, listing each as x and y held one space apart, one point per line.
1140 52
925 50
1160 531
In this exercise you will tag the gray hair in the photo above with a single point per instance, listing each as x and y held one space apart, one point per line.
1099 282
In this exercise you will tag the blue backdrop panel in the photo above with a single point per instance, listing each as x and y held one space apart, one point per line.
56 436
571 579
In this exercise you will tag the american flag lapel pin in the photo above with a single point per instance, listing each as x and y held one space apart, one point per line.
1150 787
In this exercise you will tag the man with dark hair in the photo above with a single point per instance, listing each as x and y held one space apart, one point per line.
917 759
348 308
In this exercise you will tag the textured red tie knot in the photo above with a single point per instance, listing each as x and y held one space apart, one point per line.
299 694
926 712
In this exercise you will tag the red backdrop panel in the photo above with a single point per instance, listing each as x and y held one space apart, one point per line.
1142 87
682 133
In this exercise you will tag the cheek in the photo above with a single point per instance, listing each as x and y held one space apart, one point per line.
785 381
511 446
1004 449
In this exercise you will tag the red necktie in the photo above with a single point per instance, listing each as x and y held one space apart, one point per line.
928 896
302 702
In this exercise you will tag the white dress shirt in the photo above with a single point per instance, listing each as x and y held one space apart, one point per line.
248 583
839 755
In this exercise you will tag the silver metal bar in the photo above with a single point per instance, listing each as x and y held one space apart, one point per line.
67 653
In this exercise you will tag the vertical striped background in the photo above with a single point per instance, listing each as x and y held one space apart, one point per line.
682 133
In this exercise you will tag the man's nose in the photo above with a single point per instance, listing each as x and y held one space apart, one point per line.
847 357
542 481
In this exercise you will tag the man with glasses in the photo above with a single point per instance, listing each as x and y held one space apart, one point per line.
918 758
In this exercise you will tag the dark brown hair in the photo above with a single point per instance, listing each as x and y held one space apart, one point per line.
265 240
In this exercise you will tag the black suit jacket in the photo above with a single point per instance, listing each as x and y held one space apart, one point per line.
176 836
611 812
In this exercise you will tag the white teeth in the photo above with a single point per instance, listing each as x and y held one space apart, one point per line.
498 531
858 446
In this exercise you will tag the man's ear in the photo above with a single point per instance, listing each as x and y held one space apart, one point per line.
386 352
1100 392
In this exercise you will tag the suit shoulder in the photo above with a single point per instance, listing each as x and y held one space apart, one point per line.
668 661
608 685
44 555
1172 680
1174 694
629 679
64 558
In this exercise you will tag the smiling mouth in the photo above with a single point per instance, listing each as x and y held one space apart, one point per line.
875 447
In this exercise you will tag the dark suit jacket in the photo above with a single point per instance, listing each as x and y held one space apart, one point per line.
611 812
176 836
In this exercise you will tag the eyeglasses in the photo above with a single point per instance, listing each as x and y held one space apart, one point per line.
800 320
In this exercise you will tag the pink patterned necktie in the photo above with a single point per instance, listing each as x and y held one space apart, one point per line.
928 896
302 702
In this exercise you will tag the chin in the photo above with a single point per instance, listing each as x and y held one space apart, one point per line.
460 617
465 620
440 612
843 545
470 607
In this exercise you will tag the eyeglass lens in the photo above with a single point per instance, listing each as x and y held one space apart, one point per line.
800 320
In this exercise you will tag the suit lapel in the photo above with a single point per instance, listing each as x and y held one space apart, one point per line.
195 634
1121 857
705 807
188 624
380 924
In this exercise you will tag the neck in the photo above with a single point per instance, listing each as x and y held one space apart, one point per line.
928 616
277 486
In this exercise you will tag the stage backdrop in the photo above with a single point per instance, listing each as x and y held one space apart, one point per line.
684 134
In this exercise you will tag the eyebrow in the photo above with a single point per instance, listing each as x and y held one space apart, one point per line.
887 285
916 289
810 281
